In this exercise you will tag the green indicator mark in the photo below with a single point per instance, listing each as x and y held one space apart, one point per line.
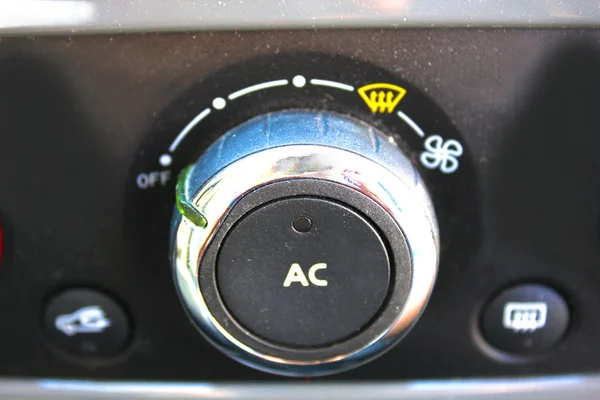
183 205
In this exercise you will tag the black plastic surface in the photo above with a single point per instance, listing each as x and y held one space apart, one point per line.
81 118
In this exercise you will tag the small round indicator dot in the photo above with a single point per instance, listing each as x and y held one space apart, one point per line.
299 81
165 160
302 224
219 103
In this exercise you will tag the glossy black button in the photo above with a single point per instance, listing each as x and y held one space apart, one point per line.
303 272
525 319
87 323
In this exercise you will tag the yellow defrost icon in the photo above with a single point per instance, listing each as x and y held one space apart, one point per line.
381 97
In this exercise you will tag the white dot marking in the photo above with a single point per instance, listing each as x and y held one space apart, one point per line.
219 103
165 160
299 81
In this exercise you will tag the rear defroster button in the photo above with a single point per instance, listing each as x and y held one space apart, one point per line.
87 323
525 319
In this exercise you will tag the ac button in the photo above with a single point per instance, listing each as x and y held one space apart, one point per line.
280 283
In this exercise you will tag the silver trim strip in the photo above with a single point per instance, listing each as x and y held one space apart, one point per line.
90 16
580 387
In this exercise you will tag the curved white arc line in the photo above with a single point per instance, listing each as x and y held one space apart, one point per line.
187 129
411 123
257 87
333 84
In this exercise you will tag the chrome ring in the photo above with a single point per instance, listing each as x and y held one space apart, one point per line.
401 196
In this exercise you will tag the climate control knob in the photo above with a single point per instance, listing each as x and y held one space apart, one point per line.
304 243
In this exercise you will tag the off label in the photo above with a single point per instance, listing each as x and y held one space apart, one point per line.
150 180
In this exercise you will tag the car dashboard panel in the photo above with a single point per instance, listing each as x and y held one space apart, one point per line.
256 207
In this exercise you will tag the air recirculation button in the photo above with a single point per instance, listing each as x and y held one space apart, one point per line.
304 243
